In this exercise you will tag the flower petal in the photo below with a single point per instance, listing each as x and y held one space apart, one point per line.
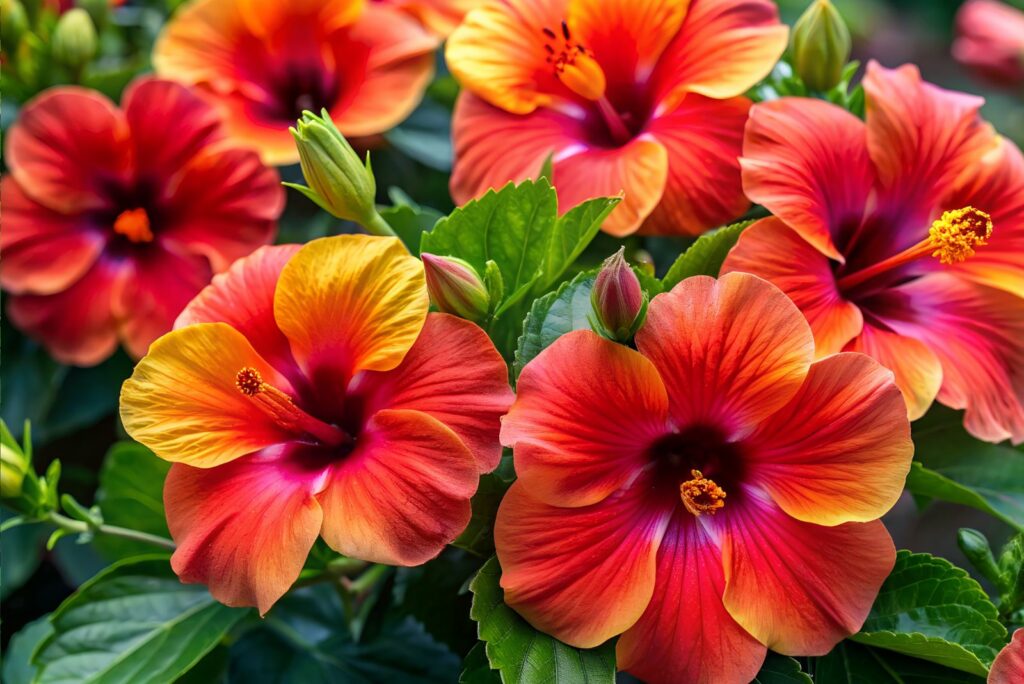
582 575
402 494
349 303
807 162
770 250
686 635
586 410
703 138
840 450
801 588
469 396
244 528
182 402
67 146
731 352
1008 667
723 48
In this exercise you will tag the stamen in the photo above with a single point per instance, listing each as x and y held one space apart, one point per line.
956 233
549 33
565 30
701 495
573 65
134 225
280 407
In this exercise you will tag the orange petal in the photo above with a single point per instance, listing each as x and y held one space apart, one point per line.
441 17
731 352
705 135
586 410
556 561
723 48
350 303
469 396
403 494
244 529
801 588
686 635
1008 667
182 402
917 370
771 250
840 450
807 162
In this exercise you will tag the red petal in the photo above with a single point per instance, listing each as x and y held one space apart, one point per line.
1008 667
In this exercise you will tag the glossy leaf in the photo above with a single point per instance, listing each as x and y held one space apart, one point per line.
18 667
780 669
851 663
553 315
705 256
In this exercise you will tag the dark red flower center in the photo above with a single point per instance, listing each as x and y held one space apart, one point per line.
301 87
697 466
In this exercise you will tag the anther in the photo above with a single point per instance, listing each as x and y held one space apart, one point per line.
701 495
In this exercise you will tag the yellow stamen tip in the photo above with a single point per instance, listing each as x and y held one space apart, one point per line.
249 381
957 232
134 225
701 495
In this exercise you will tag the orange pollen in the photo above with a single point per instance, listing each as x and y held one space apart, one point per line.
134 225
701 495
249 381
565 55
956 233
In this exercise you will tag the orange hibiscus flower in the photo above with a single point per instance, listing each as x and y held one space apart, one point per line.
439 16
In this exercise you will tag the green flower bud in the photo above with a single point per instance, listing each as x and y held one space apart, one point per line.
99 10
975 546
455 287
820 46
13 24
13 466
338 179
617 300
74 40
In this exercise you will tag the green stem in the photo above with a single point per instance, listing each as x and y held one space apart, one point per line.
376 225
339 567
77 526
369 578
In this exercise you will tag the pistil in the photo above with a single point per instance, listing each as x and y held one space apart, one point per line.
134 225
283 411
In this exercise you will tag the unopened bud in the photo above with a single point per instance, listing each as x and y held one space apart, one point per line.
338 179
74 39
975 546
455 287
13 24
13 466
99 10
617 299
820 46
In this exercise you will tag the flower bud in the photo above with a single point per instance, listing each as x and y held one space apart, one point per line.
74 39
617 298
13 24
820 46
13 466
338 180
975 546
455 287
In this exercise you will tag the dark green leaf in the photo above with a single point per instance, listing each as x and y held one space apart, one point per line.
851 663
131 495
478 537
21 548
425 136
18 668
408 219
553 315
780 669
476 669
134 623
430 593
524 655
930 609
573 232
705 256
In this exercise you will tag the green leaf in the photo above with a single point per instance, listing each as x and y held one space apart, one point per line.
780 669
953 466
18 668
705 256
425 136
930 609
131 495
573 232
478 537
21 549
434 594
476 669
851 663
553 315
524 655
408 219
134 623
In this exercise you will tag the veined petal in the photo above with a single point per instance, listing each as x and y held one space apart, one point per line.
582 575
585 412
771 250
686 635
731 352
244 528
801 588
182 402
350 303
403 494
840 450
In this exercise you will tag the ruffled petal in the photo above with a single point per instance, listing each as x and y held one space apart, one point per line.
801 588
44 251
771 250
469 396
731 352
182 402
350 303
582 575
686 635
840 450
807 162
67 147
1008 667
586 410
243 529
403 494
703 138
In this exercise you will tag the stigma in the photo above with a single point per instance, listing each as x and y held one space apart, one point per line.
249 381
134 225
701 495
572 64
955 234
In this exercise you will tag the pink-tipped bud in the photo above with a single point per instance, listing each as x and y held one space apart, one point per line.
617 298
455 287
